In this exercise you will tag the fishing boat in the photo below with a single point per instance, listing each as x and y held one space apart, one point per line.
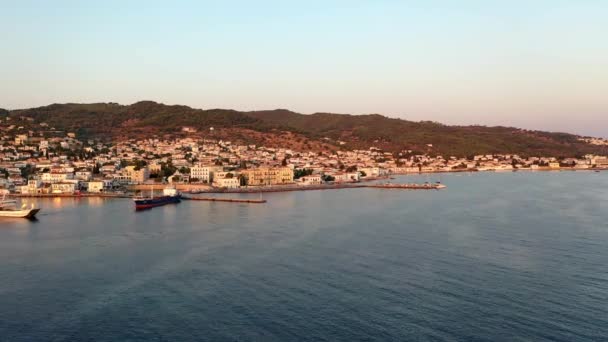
170 195
8 209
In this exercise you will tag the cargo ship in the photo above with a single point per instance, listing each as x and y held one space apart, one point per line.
170 195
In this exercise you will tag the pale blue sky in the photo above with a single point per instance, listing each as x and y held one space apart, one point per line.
534 64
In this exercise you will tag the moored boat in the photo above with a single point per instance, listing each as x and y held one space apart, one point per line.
170 195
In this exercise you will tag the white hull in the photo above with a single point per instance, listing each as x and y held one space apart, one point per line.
27 213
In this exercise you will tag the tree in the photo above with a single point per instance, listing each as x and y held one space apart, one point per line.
27 171
328 178
166 170
299 173
139 164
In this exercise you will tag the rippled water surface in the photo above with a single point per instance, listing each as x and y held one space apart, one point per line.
494 257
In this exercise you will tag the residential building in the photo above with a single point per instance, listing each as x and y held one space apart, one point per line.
135 174
311 180
203 174
96 186
63 188
268 176
230 183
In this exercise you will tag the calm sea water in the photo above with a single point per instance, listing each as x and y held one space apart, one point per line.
494 257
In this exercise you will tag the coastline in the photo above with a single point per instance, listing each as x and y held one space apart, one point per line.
206 189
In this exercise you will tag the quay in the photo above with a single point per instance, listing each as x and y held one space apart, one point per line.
426 186
216 199
249 190
81 195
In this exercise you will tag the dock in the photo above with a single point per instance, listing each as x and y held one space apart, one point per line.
426 186
81 195
217 199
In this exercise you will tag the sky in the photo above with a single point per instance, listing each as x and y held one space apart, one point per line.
539 64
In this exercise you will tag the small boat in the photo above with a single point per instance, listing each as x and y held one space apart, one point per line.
170 195
9 210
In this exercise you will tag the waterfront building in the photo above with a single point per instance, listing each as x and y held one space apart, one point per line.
136 175
33 186
268 176
372 171
230 183
96 186
311 180
204 173
63 188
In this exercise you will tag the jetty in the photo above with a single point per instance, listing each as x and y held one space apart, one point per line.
218 199
425 186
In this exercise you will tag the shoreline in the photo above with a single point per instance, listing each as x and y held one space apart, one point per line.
82 195
277 188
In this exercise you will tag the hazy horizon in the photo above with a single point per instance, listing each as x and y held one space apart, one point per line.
541 65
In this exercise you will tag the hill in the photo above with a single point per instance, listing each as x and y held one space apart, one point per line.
314 131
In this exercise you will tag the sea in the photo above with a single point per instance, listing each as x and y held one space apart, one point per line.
510 256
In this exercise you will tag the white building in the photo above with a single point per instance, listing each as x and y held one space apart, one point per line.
373 171
346 177
84 175
230 183
63 188
33 186
96 186
311 180
56 177
204 173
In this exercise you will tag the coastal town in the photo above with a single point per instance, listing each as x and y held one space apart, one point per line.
46 161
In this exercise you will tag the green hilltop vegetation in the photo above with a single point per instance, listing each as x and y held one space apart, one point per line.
141 119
